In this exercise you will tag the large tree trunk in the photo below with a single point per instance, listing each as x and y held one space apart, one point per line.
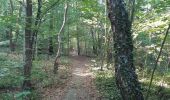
28 46
126 78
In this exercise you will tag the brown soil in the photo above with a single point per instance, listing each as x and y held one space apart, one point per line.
80 86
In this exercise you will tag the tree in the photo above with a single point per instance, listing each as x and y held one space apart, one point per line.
36 25
28 46
12 45
126 78
56 62
77 35
50 44
78 41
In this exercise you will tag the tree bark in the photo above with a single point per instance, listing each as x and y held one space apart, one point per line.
99 41
28 47
19 22
94 43
68 38
78 42
126 78
12 44
36 27
56 61
77 37
50 44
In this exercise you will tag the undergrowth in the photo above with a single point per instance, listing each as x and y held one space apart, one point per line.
105 82
11 76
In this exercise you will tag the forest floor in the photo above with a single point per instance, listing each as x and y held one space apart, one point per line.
80 86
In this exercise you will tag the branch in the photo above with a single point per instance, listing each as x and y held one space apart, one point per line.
49 8
132 12
39 17
21 3
12 7
157 60
64 20
37 21
59 41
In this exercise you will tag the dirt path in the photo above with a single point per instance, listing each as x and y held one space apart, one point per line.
80 86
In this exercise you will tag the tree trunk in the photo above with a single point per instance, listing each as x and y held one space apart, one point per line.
68 39
126 78
98 43
94 43
109 49
50 44
36 26
78 38
78 42
56 61
28 47
86 47
19 22
12 44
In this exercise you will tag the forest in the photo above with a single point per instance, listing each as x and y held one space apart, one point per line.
84 49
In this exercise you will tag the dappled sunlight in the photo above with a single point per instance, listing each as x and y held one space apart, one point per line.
82 74
84 49
79 72
87 65
163 84
93 60
95 68
143 80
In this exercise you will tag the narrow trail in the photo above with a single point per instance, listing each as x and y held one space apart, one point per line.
80 86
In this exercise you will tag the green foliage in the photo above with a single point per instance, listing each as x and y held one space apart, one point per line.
21 95
157 92
143 39
16 95
150 22
42 76
65 61
6 96
10 71
105 82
